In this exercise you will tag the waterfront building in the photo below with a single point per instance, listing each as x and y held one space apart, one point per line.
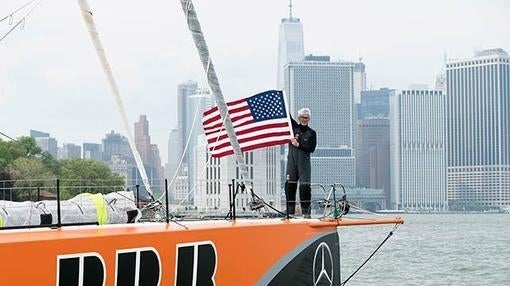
478 124
418 150
327 89
372 141
373 154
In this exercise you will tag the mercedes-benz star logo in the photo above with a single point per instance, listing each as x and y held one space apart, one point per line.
323 265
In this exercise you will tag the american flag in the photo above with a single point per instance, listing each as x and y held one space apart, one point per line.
259 121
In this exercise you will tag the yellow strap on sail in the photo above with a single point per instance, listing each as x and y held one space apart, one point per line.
102 214
1 221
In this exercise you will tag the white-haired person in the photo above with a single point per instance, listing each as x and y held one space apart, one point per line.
298 163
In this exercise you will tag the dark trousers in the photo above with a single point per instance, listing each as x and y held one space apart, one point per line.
305 196
298 169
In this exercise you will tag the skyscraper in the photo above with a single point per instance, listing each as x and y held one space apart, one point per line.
327 89
184 90
373 154
149 153
116 144
374 103
45 142
197 103
117 154
417 150
372 141
360 81
478 122
36 134
71 150
290 48
92 151
290 44
143 140
173 156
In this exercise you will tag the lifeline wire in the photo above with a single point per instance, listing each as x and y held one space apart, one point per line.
16 11
371 255
49 157
20 21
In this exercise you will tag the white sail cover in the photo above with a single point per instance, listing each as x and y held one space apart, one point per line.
84 208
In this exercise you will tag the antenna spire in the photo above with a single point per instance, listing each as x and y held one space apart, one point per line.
290 9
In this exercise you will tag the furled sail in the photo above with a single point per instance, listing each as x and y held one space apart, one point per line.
112 208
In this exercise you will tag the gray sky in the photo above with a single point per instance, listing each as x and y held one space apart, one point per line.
51 80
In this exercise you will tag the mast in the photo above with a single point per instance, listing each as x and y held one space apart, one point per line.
212 80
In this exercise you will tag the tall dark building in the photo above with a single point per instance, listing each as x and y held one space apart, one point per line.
372 141
149 153
374 103
373 154
115 144
143 140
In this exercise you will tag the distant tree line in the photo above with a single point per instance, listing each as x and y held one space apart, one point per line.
24 167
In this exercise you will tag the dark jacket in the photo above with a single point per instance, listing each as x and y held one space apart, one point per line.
307 137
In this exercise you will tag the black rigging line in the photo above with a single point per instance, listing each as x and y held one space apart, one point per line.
371 255
268 205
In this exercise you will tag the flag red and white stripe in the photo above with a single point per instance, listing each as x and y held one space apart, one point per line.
252 130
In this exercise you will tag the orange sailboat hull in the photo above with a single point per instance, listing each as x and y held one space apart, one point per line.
242 252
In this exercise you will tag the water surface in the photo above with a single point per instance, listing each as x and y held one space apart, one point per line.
445 249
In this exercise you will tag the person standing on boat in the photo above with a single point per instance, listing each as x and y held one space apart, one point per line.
298 163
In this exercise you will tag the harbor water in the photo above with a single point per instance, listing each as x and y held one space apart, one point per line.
438 249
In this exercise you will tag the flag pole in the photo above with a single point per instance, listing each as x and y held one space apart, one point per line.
288 114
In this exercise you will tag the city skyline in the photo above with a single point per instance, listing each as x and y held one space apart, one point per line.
50 78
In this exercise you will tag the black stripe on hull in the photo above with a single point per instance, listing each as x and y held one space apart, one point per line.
316 263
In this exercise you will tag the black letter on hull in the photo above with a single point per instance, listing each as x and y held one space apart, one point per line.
92 272
148 271
202 270
206 265
185 265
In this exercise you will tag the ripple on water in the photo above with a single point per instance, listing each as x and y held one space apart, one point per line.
442 249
